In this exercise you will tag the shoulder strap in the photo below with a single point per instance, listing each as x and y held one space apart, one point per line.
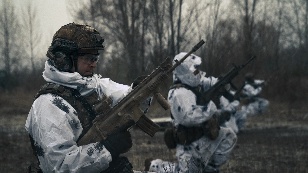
66 93
50 88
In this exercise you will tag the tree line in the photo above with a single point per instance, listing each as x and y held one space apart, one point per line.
140 34
20 38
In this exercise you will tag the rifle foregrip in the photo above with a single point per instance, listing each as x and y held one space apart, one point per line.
162 101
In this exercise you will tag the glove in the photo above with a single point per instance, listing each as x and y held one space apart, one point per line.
138 80
224 116
118 143
216 100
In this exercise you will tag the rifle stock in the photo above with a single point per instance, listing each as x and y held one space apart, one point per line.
226 79
127 113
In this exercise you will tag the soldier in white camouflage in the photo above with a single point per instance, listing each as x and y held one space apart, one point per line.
199 149
65 106
231 104
251 101
252 93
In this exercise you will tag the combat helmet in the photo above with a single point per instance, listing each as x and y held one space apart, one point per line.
72 40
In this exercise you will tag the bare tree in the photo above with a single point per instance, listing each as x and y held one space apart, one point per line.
9 36
295 34
212 40
129 26
306 24
141 33
171 16
158 29
294 16
32 28
248 25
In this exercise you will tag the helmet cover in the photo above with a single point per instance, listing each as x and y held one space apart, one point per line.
184 73
70 40
84 38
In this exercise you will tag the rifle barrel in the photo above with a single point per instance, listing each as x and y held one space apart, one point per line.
195 48
253 57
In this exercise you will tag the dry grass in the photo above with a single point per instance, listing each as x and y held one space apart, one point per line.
16 103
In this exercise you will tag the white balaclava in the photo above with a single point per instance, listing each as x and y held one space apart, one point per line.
185 71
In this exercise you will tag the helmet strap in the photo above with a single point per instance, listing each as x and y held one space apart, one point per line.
74 59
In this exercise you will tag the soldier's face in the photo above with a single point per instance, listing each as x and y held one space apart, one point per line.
86 64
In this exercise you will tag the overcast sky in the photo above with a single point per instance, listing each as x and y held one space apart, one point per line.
52 14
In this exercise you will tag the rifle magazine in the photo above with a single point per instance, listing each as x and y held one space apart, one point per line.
147 125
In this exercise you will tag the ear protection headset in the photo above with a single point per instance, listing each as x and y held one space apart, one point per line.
62 54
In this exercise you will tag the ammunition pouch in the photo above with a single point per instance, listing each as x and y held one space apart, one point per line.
170 138
211 127
186 135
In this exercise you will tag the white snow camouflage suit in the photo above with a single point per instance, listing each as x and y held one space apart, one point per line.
54 125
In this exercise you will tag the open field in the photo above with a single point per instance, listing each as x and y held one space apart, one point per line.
276 142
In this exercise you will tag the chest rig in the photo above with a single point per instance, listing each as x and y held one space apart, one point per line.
87 107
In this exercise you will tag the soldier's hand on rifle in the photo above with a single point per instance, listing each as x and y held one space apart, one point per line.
216 99
118 143
224 116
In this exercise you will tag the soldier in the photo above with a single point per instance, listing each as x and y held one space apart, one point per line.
251 95
251 102
64 108
231 104
201 144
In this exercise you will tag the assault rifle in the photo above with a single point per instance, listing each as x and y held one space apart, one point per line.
224 81
126 113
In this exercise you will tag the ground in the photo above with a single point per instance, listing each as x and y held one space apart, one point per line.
273 142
